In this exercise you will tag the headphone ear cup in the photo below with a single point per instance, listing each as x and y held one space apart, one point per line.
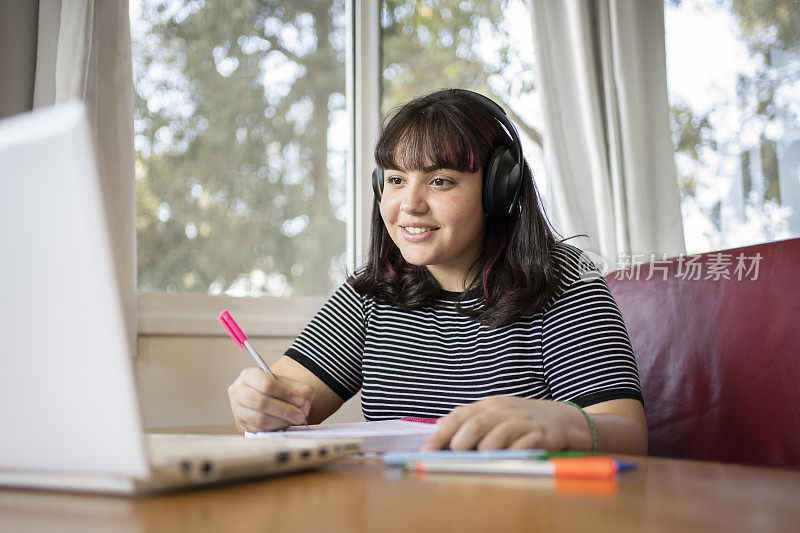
501 182
377 183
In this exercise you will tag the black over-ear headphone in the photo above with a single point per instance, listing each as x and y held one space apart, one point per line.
502 176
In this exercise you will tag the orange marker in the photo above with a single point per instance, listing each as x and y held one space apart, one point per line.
558 467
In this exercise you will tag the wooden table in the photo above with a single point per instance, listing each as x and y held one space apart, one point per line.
360 495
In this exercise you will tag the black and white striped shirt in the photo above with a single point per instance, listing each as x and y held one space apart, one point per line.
425 362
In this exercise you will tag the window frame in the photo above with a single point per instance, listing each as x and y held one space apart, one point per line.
189 314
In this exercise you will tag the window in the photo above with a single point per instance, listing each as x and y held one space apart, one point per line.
733 71
242 137
485 46
243 133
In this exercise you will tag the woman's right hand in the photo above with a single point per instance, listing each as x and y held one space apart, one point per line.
261 403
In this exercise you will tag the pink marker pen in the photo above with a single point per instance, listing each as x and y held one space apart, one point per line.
238 335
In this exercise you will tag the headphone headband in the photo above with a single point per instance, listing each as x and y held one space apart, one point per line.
502 117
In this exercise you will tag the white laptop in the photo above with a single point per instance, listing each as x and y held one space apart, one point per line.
69 414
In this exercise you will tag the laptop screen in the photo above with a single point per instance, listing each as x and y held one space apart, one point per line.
67 391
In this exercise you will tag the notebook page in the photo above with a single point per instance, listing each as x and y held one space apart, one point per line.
380 436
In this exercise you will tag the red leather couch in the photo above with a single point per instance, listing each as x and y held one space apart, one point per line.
719 359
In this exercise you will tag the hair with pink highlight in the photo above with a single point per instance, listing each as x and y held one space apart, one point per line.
517 274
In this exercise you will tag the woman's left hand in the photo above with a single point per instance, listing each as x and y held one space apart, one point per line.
511 422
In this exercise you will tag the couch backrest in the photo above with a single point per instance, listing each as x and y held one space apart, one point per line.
719 357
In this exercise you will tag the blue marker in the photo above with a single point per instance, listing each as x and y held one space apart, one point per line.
401 458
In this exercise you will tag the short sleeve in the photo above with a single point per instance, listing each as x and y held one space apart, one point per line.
587 355
331 345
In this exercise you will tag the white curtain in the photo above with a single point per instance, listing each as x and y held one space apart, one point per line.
84 53
601 74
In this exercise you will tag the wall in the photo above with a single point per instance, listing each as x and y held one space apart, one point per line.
183 381
18 37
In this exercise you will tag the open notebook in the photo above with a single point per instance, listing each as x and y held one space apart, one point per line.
404 435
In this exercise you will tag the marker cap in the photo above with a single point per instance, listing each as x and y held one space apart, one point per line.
232 328
584 467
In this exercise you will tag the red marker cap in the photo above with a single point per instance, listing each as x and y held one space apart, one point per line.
232 328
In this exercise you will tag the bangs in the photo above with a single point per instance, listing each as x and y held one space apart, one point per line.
436 135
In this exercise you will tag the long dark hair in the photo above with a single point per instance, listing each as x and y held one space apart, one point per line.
447 129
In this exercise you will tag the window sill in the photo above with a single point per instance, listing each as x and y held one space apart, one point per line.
162 314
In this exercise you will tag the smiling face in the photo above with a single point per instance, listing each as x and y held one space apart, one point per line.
436 219
432 151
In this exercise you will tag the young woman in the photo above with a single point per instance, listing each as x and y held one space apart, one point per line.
465 311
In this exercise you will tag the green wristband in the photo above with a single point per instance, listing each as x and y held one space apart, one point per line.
591 423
